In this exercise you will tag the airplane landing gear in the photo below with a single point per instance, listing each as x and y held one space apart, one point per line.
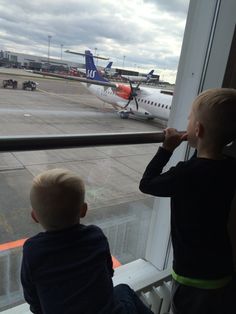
124 114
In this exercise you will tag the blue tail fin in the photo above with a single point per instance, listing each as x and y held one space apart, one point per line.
109 65
149 75
91 70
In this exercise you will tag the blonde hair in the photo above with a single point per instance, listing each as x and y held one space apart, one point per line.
216 110
56 197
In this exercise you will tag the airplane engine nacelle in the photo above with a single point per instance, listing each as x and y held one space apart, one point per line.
123 91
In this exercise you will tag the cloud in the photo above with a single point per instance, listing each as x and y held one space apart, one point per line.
178 7
147 32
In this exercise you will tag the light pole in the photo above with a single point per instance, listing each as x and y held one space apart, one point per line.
49 42
123 61
61 50
96 49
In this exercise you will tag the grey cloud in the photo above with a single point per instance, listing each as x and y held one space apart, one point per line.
107 25
173 6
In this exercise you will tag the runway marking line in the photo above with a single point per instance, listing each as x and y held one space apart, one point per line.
19 243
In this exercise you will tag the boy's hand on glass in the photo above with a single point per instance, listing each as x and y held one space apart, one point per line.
173 139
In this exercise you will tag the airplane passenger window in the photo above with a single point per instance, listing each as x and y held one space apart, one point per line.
99 98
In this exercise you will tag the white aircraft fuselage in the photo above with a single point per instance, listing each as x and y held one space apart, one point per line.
133 78
153 103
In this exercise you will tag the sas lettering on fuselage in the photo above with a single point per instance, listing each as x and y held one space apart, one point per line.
106 92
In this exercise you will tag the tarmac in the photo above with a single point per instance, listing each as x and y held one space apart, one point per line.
111 173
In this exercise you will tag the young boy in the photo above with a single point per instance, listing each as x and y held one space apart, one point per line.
68 268
201 191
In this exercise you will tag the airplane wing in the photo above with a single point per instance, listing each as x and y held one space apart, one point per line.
84 54
75 78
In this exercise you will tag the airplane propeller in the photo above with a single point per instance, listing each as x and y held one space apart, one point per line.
133 94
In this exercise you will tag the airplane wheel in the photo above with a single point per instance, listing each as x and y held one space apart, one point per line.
124 115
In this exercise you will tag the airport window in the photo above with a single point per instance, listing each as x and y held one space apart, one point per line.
61 107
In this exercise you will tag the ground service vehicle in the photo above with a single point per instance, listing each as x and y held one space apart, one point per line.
9 83
29 85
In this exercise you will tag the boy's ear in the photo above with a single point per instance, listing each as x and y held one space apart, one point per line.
199 129
83 210
33 215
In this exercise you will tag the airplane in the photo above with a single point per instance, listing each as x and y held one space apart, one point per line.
144 102
105 71
136 78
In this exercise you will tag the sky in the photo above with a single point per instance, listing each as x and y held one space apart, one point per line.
137 34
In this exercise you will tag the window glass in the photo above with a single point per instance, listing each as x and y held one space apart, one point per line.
36 36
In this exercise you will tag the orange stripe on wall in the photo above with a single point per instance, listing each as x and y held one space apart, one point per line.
115 262
18 243
12 245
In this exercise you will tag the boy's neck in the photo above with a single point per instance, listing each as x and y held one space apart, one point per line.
209 151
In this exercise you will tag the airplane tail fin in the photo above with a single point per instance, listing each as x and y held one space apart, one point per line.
108 66
91 70
149 75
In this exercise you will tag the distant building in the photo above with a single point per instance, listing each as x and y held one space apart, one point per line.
38 63
21 60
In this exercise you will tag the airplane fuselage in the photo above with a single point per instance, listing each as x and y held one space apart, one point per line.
152 102
133 78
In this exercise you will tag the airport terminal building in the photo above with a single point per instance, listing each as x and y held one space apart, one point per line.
37 63
21 60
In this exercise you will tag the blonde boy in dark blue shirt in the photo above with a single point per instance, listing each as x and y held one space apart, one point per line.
68 268
201 191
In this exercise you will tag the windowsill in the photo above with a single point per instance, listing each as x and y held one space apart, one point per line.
138 274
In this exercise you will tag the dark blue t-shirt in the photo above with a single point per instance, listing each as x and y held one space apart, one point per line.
201 192
68 272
